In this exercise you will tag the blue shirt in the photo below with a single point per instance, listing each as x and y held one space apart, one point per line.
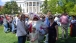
47 22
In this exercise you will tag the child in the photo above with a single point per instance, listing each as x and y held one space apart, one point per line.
34 36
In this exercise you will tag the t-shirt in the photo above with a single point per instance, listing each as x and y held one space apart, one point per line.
64 19
46 21
52 29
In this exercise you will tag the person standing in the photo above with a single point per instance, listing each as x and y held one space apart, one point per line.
42 30
13 25
46 18
64 24
73 27
47 23
21 30
5 23
52 30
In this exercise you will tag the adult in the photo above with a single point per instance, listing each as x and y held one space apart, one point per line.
39 25
46 18
57 20
64 24
21 30
73 27
15 20
9 20
42 18
5 23
47 23
1 20
52 30
13 25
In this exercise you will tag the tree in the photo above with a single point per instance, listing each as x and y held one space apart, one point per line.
45 7
10 8
14 7
59 6
52 6
66 6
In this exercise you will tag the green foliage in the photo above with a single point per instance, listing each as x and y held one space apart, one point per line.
72 13
52 6
59 9
0 12
14 7
45 7
74 9
61 6
10 8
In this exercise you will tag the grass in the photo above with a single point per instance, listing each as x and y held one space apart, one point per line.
12 38
7 37
69 40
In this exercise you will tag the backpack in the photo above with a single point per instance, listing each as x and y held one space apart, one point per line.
64 20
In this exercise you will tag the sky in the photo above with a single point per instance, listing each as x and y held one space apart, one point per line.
2 2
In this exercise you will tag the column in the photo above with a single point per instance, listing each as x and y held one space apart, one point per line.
32 6
39 8
28 7
36 7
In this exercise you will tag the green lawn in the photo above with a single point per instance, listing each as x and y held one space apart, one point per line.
12 38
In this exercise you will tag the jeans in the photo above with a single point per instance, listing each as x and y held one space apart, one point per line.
1 22
5 27
21 39
10 26
13 27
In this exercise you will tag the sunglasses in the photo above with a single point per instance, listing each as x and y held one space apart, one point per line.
50 18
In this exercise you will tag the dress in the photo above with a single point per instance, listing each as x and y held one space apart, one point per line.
52 33
33 35
73 28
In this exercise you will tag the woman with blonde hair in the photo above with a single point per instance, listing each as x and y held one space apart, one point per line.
52 30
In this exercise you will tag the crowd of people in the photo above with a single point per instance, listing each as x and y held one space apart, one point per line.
38 28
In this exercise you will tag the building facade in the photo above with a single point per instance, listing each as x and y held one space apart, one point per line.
30 6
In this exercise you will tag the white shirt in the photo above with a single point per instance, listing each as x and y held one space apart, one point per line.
4 21
21 29
56 19
38 25
73 21
17 19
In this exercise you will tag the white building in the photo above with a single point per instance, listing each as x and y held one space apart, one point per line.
30 6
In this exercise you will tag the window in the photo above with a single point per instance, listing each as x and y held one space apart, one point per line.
34 3
20 5
27 3
23 5
30 3
37 3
